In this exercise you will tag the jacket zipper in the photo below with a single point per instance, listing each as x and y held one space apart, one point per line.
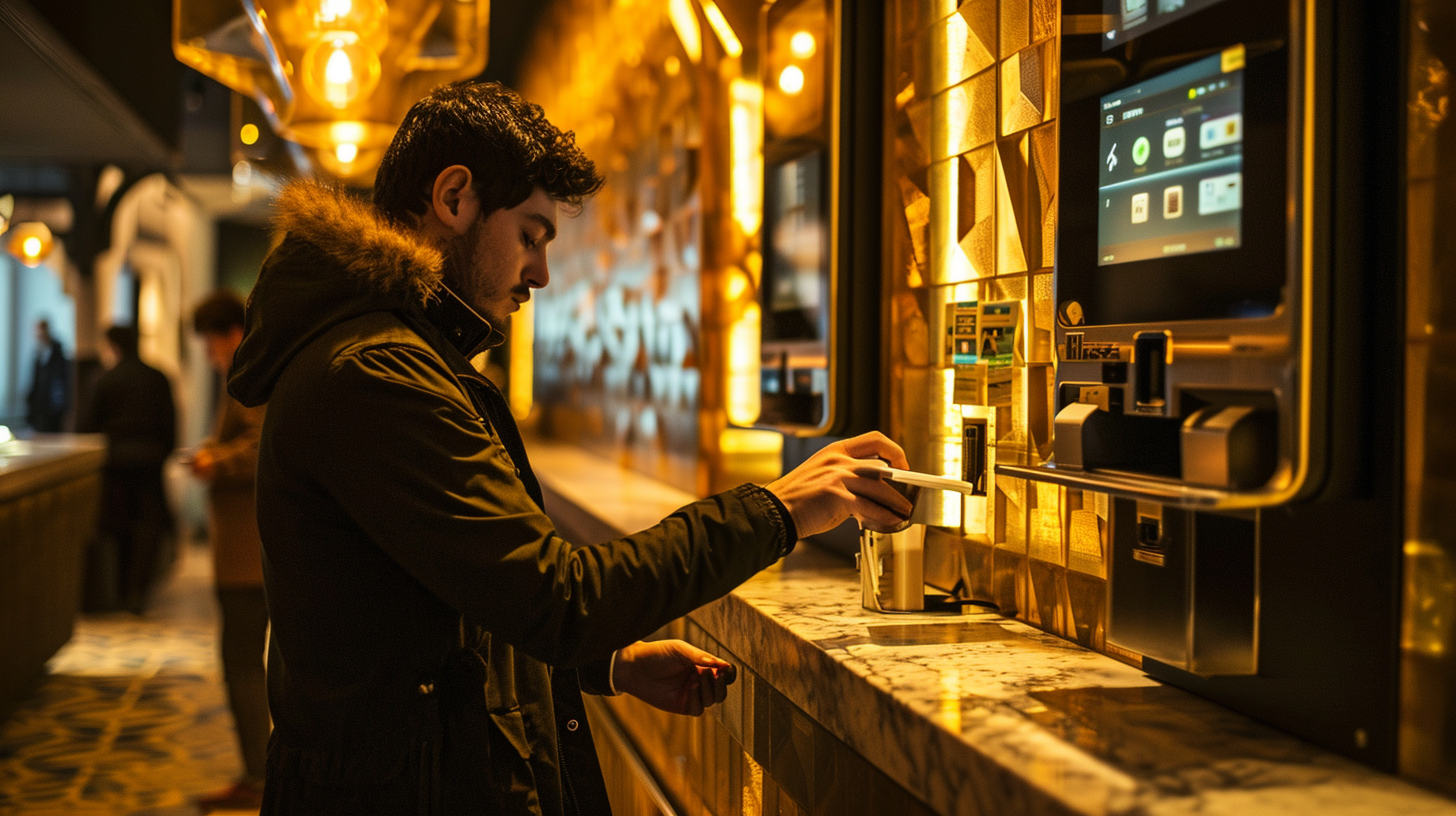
566 779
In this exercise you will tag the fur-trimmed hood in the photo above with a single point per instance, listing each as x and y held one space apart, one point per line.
336 259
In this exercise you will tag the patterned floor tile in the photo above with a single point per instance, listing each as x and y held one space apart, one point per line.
131 717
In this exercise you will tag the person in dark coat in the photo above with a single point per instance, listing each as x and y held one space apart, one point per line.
50 383
132 405
432 634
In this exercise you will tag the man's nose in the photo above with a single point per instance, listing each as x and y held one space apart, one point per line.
537 274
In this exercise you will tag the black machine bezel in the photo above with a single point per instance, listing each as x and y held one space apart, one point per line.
1243 281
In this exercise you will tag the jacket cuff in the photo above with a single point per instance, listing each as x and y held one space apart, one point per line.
596 676
775 508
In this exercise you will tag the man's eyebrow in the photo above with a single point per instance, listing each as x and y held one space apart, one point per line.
545 223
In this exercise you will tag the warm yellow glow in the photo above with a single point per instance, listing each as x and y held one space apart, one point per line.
340 71
346 153
672 65
743 393
332 11
791 80
802 45
311 63
737 285
249 134
31 242
745 124
523 335
950 700
685 23
746 440
732 46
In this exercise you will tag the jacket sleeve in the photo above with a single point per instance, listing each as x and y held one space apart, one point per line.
237 454
409 459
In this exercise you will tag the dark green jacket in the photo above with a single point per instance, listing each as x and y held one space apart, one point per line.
431 631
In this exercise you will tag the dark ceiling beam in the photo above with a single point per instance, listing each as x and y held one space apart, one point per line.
58 108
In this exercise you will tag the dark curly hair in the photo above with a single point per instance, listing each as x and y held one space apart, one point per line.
218 313
506 142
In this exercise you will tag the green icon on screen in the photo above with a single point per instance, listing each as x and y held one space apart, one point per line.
1141 149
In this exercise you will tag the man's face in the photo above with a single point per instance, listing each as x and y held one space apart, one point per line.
221 347
500 259
42 335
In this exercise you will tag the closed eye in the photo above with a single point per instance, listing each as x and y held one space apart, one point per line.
527 240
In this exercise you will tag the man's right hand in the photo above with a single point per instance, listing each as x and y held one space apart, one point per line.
843 480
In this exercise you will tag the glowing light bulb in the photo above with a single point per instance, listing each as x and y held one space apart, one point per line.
30 247
249 134
802 44
346 152
791 80
340 70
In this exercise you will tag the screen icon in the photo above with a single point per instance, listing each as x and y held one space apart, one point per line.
1112 157
1140 208
1221 193
1174 142
1141 150
1221 131
1173 201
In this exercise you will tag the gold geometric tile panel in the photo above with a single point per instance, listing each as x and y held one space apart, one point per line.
1011 205
947 263
1045 526
1044 18
1015 26
964 116
1043 191
920 113
1084 545
1028 80
917 219
963 44
976 201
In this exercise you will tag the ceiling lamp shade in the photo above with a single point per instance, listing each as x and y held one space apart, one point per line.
330 73
30 242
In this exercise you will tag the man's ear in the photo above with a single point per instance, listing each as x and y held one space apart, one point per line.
453 200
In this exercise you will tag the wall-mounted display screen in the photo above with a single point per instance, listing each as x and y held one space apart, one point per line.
1170 180
1133 18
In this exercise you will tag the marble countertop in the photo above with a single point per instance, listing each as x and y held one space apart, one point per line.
977 713
26 465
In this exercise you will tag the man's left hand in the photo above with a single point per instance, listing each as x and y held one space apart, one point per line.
673 676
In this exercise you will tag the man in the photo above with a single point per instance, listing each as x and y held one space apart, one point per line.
431 633
132 405
228 462
50 383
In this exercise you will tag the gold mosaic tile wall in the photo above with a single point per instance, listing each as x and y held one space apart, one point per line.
971 216
631 339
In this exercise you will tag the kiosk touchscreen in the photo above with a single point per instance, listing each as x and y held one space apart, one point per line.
1186 372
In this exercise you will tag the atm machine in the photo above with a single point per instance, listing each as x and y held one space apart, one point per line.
1228 336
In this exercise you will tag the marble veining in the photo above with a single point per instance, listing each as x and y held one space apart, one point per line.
1005 718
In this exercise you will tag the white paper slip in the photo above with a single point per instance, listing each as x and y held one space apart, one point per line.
911 477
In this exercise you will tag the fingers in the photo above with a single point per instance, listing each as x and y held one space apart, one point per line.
876 490
875 445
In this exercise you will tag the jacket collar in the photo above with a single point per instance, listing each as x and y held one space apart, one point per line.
466 330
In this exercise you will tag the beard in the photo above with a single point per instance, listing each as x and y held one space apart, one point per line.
460 264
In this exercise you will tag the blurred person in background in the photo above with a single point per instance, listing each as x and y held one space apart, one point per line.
228 462
50 383
132 405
